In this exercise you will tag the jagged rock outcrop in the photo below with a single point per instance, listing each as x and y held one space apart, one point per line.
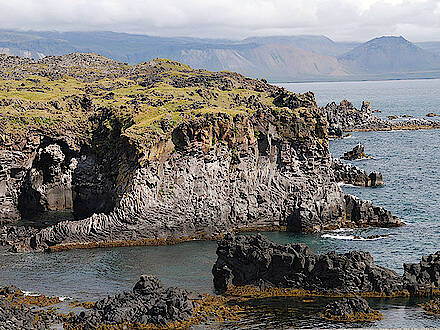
148 303
13 234
345 117
351 174
358 152
254 260
362 213
425 274
354 309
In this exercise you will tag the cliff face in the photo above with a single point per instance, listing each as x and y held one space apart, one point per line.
159 150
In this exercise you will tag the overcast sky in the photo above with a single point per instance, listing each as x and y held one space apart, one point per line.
341 20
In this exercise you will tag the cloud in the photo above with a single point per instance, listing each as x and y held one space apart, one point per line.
418 20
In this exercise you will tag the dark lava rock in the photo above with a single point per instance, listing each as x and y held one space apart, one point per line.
350 174
362 213
358 152
254 260
354 309
425 274
148 303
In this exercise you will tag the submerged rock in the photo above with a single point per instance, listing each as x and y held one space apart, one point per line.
254 260
148 303
354 309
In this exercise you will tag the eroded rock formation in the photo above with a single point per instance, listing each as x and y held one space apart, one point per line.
351 174
354 309
184 154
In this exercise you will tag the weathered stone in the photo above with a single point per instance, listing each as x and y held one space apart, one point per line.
425 274
362 213
345 117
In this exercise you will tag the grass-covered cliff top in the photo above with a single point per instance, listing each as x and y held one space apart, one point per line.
67 95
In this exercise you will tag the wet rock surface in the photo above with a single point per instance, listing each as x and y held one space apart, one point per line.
354 309
148 303
254 260
432 306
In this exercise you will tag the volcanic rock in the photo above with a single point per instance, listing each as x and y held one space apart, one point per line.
254 260
358 152
148 303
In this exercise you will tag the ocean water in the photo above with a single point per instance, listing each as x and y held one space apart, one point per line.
410 163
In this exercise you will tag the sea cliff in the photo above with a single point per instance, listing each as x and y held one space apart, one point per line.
158 153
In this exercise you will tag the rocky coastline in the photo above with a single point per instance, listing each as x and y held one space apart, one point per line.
256 261
160 153
345 117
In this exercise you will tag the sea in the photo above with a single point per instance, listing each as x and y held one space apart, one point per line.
410 164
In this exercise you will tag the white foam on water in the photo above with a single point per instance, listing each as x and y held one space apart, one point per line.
351 237
63 298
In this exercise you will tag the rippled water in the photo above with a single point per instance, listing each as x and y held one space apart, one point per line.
410 163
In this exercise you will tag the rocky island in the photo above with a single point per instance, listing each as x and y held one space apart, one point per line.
159 153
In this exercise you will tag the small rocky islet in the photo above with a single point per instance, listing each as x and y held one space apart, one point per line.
158 153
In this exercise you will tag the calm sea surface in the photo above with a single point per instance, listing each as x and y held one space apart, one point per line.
410 163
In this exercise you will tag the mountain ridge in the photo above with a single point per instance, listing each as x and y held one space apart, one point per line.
277 58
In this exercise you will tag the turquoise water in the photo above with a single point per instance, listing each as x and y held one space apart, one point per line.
410 163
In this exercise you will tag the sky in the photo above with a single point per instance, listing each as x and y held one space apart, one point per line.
341 20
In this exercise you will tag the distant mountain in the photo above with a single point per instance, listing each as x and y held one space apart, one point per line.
277 58
317 44
389 55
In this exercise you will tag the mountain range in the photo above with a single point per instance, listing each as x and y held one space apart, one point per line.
276 58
